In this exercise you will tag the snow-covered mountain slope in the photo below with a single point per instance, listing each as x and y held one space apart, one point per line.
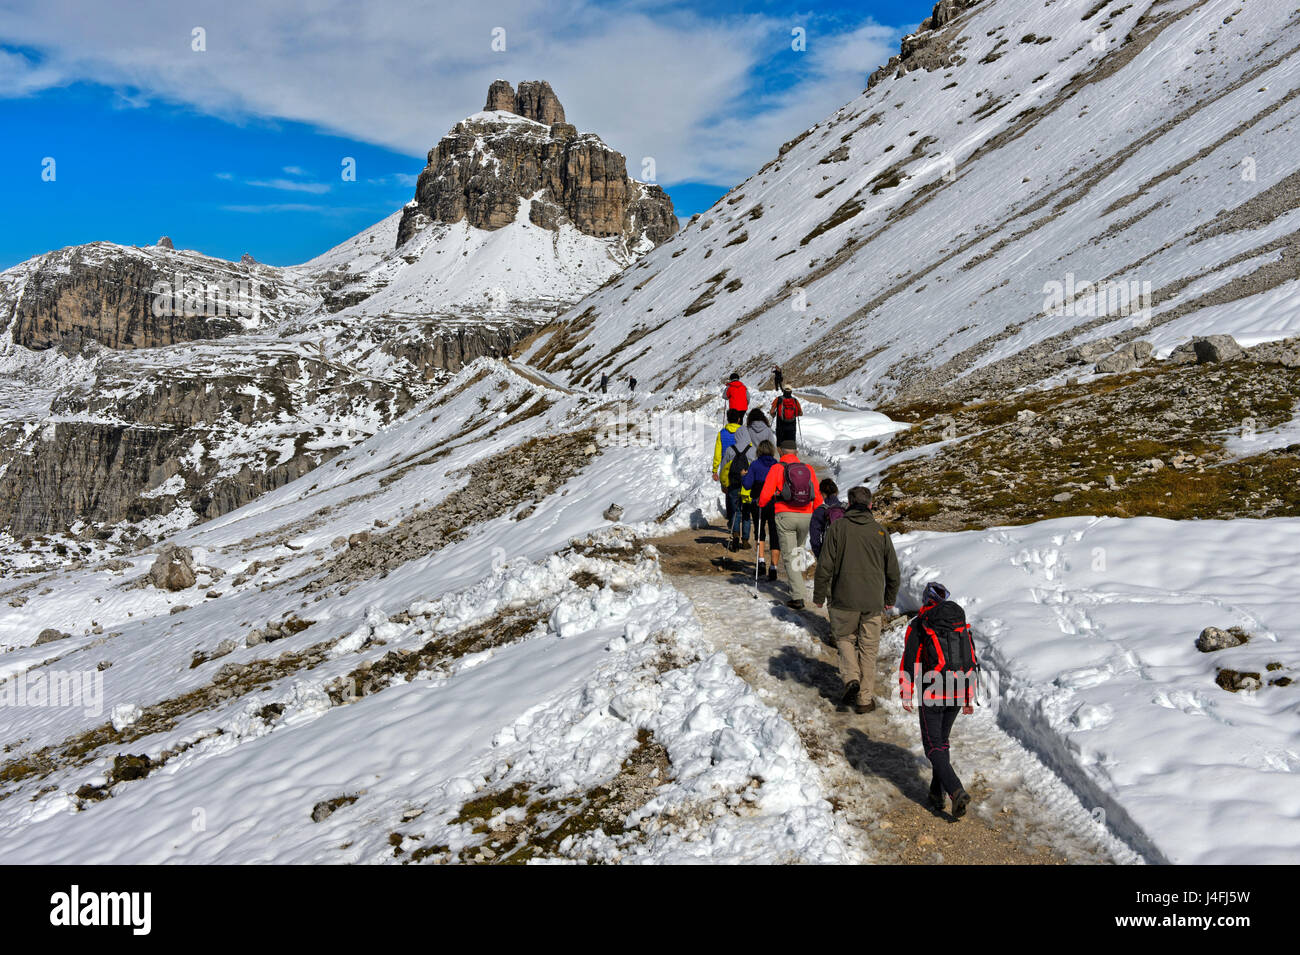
953 223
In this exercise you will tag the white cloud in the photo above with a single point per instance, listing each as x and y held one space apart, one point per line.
290 185
662 82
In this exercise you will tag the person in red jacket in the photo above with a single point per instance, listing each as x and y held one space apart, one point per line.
793 486
736 394
785 413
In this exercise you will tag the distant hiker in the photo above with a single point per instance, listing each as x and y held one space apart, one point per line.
858 569
832 510
792 485
631 383
786 412
939 654
604 382
777 377
765 517
736 394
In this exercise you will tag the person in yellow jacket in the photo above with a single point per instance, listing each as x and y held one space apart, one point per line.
726 438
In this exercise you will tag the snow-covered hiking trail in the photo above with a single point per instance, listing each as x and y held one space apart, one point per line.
875 773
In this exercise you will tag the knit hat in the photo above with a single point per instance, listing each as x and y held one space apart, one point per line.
935 592
788 444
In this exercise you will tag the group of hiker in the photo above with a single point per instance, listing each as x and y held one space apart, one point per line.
772 493
604 383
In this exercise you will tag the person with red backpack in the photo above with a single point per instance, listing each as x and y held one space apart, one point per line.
786 412
939 655
736 395
858 570
792 484
831 510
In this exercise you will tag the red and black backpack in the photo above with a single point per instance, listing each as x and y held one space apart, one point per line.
946 641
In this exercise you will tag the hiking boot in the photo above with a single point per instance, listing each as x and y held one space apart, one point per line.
867 707
794 604
935 800
744 543
761 569
850 694
771 572
959 803
735 544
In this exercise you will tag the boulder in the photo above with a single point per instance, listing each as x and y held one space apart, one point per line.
1116 362
613 513
1213 639
49 635
174 569
1216 348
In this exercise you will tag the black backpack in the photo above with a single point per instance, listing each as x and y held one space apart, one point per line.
739 465
946 642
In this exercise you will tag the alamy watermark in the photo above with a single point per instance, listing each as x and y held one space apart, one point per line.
56 688
1075 298
186 296
675 429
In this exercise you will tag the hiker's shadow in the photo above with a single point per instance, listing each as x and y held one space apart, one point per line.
791 663
815 624
891 763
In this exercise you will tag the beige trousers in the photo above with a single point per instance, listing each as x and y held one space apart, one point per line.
857 637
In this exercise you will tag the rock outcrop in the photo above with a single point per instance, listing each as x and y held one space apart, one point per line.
521 149
126 298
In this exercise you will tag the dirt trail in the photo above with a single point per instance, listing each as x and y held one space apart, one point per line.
875 772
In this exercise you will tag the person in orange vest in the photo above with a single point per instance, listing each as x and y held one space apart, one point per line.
793 486
786 412
736 395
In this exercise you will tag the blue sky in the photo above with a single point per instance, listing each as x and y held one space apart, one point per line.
238 147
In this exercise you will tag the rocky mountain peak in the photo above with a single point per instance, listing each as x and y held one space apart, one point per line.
535 100
490 163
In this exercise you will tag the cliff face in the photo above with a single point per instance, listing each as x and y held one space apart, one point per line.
519 150
125 298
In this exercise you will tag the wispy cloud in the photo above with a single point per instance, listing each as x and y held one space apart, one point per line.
289 185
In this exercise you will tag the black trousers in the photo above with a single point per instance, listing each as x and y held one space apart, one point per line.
936 725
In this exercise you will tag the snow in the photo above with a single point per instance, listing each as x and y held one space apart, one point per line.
1088 626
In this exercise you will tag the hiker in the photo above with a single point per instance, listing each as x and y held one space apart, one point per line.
858 570
724 441
792 485
786 412
631 383
753 432
940 655
739 499
764 517
777 377
832 510
604 382
736 394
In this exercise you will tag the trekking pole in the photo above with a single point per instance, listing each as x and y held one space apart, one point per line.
756 547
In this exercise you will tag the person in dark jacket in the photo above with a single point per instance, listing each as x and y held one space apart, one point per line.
778 377
786 412
765 523
858 571
604 382
941 700
820 518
